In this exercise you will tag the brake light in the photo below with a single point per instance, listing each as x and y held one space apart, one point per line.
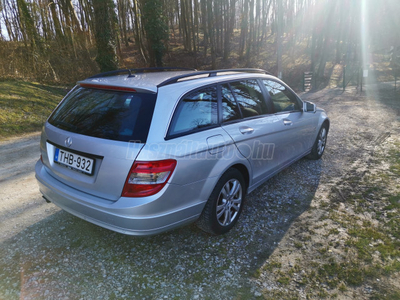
147 178
107 87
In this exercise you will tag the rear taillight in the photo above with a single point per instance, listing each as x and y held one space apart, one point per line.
147 178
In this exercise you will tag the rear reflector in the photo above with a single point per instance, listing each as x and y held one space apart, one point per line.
107 87
147 178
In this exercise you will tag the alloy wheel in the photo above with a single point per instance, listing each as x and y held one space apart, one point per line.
321 141
229 202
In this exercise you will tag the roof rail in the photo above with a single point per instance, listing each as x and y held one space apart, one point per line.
132 72
211 73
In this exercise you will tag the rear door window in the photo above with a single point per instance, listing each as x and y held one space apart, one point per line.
249 98
113 115
196 111
230 109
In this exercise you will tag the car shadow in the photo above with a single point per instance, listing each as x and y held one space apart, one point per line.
65 257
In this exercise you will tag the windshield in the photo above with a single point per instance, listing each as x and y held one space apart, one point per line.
113 115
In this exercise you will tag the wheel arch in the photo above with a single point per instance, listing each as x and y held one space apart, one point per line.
245 172
327 123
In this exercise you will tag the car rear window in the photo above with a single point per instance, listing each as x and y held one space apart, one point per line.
113 115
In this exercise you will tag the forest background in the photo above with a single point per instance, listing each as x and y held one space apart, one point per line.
62 41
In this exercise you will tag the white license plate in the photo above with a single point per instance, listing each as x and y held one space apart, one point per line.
75 161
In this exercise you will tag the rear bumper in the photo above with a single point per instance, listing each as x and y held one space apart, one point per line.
170 208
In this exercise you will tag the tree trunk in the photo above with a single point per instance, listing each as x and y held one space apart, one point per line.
211 34
279 35
203 4
243 28
156 30
104 35
56 21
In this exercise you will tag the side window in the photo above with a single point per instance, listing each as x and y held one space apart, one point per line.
195 110
281 97
230 110
249 98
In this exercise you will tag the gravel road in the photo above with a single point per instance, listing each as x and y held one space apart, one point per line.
20 201
45 253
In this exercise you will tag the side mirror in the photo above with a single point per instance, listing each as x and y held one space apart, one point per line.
309 107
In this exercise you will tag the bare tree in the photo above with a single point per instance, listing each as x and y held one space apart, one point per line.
105 35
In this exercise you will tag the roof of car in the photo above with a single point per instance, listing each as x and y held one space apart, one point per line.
150 81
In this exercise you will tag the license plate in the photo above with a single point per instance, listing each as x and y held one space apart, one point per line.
74 161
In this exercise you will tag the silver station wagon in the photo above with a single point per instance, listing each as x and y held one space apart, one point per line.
143 151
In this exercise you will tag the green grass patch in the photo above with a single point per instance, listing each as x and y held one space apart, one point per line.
385 294
394 155
394 202
272 265
334 231
284 280
298 245
25 106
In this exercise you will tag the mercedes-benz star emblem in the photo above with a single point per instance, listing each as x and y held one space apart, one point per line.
68 141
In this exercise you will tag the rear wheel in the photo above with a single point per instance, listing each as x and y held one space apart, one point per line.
225 204
320 143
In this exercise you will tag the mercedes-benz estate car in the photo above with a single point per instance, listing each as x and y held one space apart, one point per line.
141 152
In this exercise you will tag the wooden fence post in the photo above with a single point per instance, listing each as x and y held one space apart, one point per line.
344 78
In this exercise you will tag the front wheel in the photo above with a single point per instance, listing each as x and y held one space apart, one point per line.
320 143
225 204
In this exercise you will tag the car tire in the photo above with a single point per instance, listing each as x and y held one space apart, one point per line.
320 143
225 204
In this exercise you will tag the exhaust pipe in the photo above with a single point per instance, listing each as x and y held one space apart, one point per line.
47 200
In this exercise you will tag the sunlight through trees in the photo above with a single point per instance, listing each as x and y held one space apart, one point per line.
65 40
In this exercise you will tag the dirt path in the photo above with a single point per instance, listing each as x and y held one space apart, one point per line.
21 203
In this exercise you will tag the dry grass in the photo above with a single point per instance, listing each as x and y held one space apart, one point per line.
25 106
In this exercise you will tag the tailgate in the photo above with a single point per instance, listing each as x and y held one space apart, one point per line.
95 166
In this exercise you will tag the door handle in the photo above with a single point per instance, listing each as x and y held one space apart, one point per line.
246 130
287 122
